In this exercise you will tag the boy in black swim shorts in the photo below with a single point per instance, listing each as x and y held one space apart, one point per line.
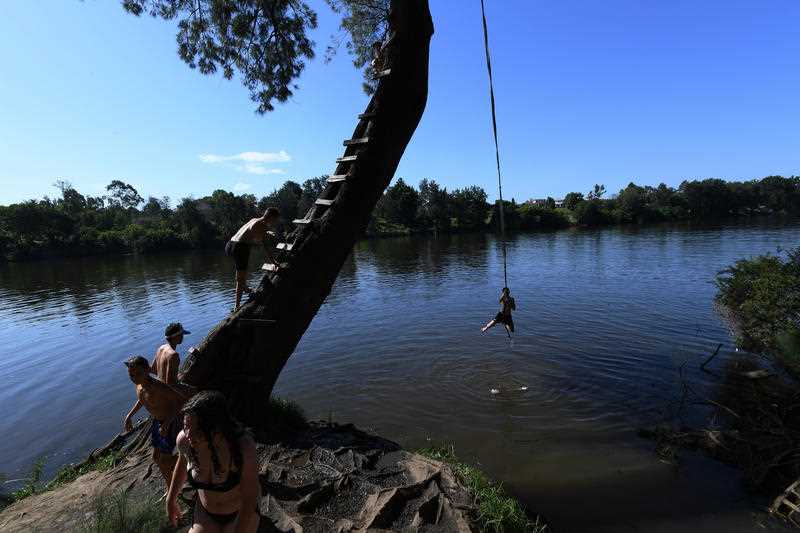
253 233
504 316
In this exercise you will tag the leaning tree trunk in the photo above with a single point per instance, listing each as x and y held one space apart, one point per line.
245 353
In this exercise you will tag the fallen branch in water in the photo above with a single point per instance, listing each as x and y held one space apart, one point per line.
760 425
713 355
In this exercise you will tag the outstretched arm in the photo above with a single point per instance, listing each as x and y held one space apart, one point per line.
248 519
269 244
178 479
128 424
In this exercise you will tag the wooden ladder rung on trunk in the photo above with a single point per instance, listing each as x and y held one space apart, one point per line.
351 142
346 159
272 267
322 201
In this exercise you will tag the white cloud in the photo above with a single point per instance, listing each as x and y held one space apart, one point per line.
248 157
260 170
241 187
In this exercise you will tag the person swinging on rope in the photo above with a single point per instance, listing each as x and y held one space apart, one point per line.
504 317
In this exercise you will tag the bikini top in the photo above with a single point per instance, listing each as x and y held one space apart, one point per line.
234 477
232 481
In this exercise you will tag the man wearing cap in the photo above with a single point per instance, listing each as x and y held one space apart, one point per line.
164 403
166 363
254 232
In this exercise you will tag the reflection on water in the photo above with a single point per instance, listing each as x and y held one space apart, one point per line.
604 318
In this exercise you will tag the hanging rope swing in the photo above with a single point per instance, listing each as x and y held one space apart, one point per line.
496 144
506 300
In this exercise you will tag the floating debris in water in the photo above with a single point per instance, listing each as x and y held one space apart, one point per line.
494 391
523 388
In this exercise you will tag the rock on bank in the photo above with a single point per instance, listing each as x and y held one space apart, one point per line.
322 479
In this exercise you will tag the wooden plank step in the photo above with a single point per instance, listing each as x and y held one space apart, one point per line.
792 506
285 246
272 267
322 201
367 116
258 320
338 177
351 142
300 221
383 73
346 159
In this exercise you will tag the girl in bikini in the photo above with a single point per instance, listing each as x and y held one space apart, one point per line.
218 456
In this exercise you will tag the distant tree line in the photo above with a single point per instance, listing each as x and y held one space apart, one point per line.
122 220
431 207
693 200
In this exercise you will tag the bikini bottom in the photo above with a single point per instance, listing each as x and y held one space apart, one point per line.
220 519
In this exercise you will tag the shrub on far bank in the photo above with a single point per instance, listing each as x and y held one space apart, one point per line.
762 296
534 217
593 213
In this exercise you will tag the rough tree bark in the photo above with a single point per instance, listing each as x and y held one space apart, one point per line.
244 354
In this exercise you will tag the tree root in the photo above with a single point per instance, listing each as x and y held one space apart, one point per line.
761 427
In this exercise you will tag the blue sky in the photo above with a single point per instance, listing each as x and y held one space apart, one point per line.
587 92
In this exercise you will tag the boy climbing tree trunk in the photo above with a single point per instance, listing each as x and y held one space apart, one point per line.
245 353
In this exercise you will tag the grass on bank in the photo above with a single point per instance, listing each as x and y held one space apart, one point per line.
64 476
125 512
496 511
284 415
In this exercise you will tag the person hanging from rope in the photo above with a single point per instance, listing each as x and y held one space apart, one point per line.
507 304
255 231
506 301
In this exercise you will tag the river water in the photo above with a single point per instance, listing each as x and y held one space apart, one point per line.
604 319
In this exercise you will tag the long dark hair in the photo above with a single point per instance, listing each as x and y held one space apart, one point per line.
213 416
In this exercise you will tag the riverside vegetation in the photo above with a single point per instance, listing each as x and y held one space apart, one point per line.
762 297
123 221
756 420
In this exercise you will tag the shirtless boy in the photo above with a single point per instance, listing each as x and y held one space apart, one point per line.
507 305
252 233
166 363
164 403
